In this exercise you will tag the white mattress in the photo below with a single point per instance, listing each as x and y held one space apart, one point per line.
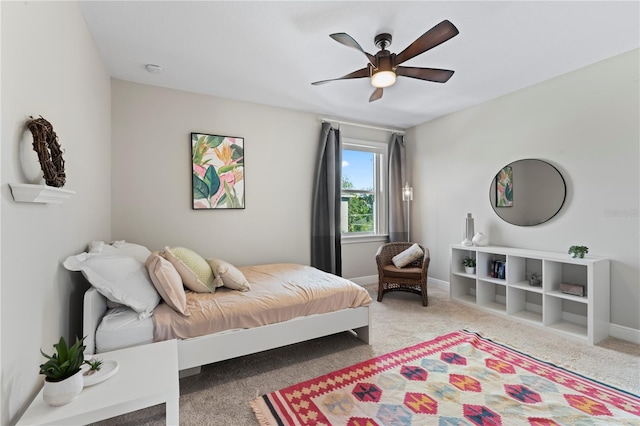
121 328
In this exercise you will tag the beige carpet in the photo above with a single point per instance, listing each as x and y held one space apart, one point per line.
220 394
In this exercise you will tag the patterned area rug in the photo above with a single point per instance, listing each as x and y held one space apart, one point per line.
456 379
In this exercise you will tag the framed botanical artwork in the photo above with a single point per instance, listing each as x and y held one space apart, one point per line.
217 171
504 187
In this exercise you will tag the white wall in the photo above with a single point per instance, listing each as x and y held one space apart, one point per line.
50 67
586 123
359 261
151 182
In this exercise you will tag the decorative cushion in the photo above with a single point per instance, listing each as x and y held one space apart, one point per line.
409 255
194 270
168 282
410 273
230 275
121 279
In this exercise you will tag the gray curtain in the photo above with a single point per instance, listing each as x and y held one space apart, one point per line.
397 179
326 251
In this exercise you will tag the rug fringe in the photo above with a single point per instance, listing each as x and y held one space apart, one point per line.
259 407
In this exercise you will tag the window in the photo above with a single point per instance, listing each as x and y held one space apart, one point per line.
364 201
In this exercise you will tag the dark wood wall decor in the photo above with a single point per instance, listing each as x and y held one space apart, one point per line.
46 145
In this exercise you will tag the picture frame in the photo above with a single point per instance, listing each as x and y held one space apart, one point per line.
504 187
217 169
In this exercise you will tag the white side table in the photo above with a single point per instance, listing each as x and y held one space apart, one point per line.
147 376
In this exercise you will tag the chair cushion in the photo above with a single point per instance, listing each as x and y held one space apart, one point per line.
404 258
411 273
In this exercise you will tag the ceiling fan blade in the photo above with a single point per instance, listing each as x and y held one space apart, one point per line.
429 74
377 94
347 40
435 36
364 72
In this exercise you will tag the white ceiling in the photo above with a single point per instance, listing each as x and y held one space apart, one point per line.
268 52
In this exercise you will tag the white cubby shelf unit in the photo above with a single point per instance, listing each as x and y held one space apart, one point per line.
584 317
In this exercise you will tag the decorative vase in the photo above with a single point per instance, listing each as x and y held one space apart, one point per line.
468 231
470 270
480 239
63 392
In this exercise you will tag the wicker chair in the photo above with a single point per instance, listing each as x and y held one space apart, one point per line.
412 278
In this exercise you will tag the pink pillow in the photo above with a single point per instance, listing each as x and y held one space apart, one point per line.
167 281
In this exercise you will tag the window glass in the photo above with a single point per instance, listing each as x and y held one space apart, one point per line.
363 206
358 191
357 169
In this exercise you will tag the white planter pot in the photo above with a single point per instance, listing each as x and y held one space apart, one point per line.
470 270
61 393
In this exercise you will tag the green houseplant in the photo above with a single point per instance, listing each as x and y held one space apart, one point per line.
63 376
469 264
578 251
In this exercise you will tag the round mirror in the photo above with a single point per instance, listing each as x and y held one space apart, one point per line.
527 192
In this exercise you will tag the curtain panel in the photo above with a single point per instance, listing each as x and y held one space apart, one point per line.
326 250
397 178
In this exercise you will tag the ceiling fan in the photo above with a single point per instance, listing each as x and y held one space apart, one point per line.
384 66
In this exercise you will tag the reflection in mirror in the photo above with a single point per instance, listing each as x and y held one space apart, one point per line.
527 192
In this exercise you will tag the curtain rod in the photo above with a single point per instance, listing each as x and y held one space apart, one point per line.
367 126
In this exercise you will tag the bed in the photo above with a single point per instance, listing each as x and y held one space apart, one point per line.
246 322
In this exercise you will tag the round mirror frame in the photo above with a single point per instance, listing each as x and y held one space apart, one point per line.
555 183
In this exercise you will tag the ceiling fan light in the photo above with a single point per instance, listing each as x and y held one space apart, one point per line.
383 79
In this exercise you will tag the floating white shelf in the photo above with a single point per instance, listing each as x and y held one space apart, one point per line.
29 193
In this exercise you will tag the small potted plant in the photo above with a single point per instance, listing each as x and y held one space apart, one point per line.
63 375
578 251
469 264
94 366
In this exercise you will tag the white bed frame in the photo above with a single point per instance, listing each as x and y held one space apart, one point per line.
198 351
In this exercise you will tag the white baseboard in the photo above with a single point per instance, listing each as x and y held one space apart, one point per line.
625 333
618 331
438 283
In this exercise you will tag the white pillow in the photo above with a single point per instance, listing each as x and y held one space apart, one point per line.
194 270
168 282
230 275
406 257
120 248
121 279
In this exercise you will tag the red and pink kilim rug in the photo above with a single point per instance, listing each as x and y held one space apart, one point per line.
456 379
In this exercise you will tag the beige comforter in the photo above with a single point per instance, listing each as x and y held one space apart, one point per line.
279 292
